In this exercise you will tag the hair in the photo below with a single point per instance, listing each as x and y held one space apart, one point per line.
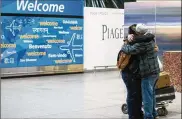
132 29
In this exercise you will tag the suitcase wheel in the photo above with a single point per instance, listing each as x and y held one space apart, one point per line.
124 109
162 111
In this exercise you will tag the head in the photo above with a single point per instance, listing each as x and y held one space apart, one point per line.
132 29
141 29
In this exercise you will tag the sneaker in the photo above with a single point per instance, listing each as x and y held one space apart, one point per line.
156 117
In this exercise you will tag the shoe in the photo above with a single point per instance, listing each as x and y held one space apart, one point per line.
156 117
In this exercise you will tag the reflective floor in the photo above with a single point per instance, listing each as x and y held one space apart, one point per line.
88 95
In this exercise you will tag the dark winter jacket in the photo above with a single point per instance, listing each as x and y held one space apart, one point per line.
144 54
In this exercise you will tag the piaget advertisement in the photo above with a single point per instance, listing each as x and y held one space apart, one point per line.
103 31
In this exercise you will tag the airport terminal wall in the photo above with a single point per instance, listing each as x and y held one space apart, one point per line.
98 45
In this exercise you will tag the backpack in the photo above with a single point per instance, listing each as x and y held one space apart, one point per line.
122 60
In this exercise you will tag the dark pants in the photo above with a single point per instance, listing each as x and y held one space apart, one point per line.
134 97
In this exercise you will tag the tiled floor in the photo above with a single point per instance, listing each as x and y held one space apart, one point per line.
86 95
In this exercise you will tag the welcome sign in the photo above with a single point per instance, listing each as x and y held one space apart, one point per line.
38 6
58 7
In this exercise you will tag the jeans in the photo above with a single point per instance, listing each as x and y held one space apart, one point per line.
148 95
134 98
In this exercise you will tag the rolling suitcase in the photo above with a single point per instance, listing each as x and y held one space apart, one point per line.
165 94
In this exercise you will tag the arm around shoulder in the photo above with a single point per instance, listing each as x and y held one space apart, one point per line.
133 49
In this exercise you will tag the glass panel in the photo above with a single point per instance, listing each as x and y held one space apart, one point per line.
168 26
140 12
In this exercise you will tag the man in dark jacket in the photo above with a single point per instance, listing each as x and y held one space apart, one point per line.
148 69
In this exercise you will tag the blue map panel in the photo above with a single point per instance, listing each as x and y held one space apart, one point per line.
40 41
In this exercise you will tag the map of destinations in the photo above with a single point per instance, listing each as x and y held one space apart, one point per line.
40 41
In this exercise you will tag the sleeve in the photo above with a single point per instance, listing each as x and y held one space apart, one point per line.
133 49
145 38
118 55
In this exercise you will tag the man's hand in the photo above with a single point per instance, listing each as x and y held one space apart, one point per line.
130 37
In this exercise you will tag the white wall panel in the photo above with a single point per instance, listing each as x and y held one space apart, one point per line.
103 36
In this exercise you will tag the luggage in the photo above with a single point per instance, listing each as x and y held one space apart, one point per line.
163 81
164 94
